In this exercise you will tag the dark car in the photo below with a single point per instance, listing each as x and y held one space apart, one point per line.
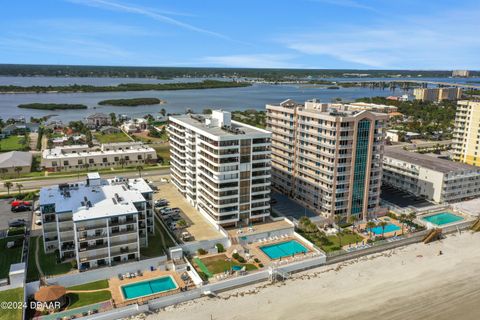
21 208
17 223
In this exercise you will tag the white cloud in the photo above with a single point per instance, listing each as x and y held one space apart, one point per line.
441 41
147 12
252 61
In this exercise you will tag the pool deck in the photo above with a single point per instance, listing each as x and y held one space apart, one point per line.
115 286
257 228
387 234
255 250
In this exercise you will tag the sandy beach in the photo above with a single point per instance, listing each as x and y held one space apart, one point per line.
409 283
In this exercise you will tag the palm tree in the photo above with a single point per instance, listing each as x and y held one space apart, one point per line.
383 224
337 220
353 220
140 168
122 162
17 170
403 218
370 226
8 185
412 216
3 171
19 187
339 236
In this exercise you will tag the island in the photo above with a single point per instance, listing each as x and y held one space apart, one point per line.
131 102
52 106
206 84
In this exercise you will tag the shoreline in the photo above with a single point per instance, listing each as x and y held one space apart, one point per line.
412 282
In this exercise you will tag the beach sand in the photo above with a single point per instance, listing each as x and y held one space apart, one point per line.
408 283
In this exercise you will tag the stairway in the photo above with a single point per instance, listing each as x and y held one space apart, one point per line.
433 235
476 225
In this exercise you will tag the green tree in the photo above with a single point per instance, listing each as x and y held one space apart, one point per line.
113 119
17 170
140 169
8 185
370 226
383 224
19 187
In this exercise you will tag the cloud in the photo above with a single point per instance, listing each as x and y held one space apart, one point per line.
252 61
435 42
146 12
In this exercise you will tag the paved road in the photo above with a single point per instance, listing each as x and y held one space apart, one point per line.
37 184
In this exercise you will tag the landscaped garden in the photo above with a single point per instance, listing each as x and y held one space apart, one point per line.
209 266
11 255
96 285
12 295
111 137
80 299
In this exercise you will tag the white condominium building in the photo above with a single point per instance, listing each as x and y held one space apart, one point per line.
466 132
438 180
222 167
80 157
98 222
328 158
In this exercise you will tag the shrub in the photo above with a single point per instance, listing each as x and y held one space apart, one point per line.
256 260
201 251
241 259
16 231
235 255
202 275
260 265
220 247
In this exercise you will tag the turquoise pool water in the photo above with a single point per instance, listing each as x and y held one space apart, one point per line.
146 288
388 228
283 249
442 218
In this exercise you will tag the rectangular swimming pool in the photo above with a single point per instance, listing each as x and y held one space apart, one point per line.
149 287
283 249
442 218
388 228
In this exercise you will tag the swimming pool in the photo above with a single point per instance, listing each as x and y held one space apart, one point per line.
388 228
283 249
442 218
146 288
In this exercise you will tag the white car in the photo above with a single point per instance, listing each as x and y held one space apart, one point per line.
38 213
38 222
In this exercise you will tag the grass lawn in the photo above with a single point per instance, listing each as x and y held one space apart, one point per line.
111 138
155 245
100 284
12 143
163 152
48 262
12 295
8 256
331 243
219 264
84 299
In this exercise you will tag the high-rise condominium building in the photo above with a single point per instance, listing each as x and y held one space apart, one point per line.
222 167
437 94
328 158
466 133
98 222
460 73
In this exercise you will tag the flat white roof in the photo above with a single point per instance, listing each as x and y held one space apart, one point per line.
93 175
112 197
57 153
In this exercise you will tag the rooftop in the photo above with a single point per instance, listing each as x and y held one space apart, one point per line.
207 123
76 151
427 161
87 200
15 159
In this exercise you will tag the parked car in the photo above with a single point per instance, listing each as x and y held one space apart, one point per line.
17 223
16 203
161 203
21 208
38 222
38 213
176 210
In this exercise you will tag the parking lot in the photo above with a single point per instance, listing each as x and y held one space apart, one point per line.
6 215
287 207
403 199
198 227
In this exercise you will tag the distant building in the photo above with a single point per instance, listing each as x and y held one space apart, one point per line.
15 159
438 180
466 132
437 94
461 73
135 125
222 167
78 157
360 106
395 135
327 156
99 222
97 120
20 128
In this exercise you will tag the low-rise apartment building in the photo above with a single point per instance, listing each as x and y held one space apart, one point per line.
98 222
329 158
436 179
78 157
437 94
466 132
221 166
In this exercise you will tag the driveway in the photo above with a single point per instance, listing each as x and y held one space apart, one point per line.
6 215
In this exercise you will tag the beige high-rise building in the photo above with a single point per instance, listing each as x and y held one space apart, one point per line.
437 94
466 133
460 73
330 159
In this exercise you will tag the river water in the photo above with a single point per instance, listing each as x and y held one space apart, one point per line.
253 97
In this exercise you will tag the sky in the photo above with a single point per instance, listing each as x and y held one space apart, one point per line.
319 34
